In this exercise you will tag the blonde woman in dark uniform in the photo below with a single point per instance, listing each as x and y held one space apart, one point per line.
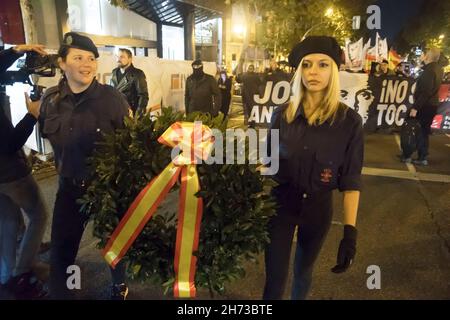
321 149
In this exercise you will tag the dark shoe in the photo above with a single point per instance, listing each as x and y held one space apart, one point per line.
421 162
119 291
27 287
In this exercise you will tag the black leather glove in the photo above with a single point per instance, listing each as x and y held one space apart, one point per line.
347 249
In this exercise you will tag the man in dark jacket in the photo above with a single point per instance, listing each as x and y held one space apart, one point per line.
202 92
19 190
130 81
275 74
250 86
426 101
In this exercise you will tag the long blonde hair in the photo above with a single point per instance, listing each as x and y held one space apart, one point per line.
329 106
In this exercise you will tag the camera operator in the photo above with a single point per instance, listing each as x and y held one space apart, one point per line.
19 190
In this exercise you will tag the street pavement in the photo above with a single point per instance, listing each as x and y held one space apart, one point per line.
403 232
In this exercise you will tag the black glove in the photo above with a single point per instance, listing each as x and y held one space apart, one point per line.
347 249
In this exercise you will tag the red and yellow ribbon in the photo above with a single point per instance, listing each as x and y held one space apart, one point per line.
195 141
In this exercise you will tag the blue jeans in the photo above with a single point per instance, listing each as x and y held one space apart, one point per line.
20 194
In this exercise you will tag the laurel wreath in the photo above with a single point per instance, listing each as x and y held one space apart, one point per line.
237 205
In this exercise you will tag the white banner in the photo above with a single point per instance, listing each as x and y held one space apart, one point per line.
382 48
165 80
355 55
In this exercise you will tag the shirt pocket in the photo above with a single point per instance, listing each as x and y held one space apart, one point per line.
324 173
284 174
51 128
90 136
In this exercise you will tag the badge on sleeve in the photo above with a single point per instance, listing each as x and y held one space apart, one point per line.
326 175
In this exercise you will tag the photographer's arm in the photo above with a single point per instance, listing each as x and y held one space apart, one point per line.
7 57
22 48
13 138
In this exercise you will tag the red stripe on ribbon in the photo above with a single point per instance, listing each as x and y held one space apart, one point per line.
147 216
181 209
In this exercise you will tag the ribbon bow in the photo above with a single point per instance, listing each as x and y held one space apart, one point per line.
195 141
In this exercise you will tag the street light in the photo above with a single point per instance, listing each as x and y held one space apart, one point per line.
239 30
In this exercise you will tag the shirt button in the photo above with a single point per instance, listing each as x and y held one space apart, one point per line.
305 196
71 129
305 148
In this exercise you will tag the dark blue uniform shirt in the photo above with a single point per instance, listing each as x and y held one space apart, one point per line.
73 124
320 158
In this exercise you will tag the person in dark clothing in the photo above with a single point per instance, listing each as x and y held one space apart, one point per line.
19 190
131 82
426 102
275 74
224 83
402 70
74 116
384 69
320 149
250 86
202 93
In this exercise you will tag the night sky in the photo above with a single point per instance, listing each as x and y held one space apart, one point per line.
394 15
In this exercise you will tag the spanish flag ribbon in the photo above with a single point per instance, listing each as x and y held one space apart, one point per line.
195 141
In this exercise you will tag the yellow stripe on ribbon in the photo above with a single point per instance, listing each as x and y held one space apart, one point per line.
196 142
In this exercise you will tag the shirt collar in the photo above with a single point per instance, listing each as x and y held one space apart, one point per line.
127 68
90 92
301 113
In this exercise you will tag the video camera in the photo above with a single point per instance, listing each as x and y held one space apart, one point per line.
32 64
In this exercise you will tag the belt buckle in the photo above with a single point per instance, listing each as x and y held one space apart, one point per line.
79 183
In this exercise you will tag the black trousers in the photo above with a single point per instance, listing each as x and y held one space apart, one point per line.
67 229
425 117
225 107
313 216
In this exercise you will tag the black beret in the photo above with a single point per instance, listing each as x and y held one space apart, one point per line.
316 44
75 40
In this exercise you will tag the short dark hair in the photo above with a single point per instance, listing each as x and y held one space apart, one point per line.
128 52
63 52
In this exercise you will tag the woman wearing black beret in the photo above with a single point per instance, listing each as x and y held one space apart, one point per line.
321 149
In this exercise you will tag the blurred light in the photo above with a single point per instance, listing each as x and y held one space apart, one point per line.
329 12
441 36
239 30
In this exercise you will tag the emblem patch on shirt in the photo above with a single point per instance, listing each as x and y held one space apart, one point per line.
326 175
